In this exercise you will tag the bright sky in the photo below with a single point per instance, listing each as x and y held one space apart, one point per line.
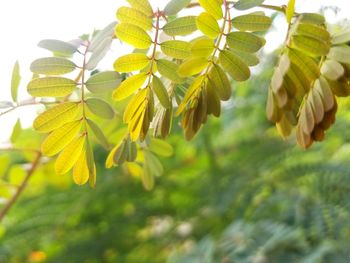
24 23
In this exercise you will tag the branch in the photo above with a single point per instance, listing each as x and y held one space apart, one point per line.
20 189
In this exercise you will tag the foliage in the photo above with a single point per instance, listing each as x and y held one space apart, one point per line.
186 67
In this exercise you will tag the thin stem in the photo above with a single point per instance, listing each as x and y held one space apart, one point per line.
30 103
13 149
227 17
271 7
22 186
158 15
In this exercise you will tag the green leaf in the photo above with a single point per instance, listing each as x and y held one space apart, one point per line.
176 48
213 7
234 66
312 18
134 17
101 138
129 86
69 156
51 87
332 69
202 47
249 58
52 66
100 37
142 5
310 46
175 6
290 11
192 66
247 4
169 69
100 108
133 35
161 147
56 116
220 82
161 92
252 22
15 81
131 62
208 25
244 41
60 138
340 54
181 26
16 131
153 164
58 46
103 82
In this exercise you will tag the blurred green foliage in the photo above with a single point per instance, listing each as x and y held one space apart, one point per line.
237 193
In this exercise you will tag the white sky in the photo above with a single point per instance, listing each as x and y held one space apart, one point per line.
23 23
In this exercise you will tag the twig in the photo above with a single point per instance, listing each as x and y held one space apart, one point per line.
22 186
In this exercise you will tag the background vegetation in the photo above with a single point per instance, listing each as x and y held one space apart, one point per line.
236 194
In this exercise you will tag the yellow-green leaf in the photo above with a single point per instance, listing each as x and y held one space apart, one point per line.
306 64
161 92
161 147
52 66
69 156
100 108
192 66
290 11
135 17
181 26
60 138
234 66
142 5
129 86
169 69
202 47
15 81
311 46
208 25
55 117
213 7
244 41
81 170
341 37
176 48
314 31
133 35
252 22
131 62
51 87
103 82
